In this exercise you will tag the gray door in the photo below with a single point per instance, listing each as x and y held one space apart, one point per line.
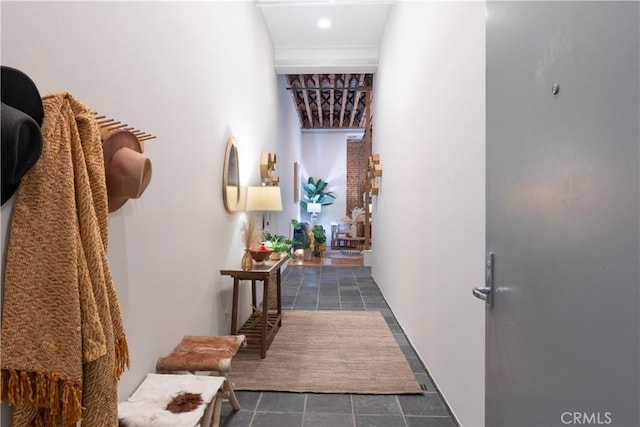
563 202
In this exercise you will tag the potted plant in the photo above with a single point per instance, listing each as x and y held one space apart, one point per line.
302 237
320 240
315 192
279 244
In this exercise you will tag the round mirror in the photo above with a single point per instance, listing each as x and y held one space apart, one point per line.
231 177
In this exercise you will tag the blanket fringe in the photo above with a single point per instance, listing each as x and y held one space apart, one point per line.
12 385
25 388
42 390
122 356
71 403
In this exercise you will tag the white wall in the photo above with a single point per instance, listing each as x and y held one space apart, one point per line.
288 152
192 74
429 216
324 155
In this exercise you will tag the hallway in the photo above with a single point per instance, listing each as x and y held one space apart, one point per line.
503 127
340 288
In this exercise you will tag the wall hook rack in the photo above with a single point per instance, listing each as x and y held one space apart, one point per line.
108 126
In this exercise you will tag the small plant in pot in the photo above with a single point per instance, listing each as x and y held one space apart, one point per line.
320 240
311 239
279 244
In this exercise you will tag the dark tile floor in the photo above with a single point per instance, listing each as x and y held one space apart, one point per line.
340 288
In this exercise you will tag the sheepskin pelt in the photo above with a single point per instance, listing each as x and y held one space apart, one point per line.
148 405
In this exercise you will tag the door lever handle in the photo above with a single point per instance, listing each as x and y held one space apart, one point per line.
485 293
482 292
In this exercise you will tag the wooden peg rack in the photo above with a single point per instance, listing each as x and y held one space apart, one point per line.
109 126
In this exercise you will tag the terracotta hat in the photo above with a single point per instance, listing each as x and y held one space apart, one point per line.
127 170
22 114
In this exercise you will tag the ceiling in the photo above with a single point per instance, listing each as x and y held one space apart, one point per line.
350 44
327 70
330 101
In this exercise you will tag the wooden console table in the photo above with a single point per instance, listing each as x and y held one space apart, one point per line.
262 325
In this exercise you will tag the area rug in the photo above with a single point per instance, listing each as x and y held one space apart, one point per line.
339 255
328 352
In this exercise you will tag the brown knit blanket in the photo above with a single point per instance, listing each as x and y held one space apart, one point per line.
63 342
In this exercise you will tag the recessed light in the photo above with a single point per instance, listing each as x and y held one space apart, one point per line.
324 23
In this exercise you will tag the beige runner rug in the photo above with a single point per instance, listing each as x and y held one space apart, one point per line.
328 352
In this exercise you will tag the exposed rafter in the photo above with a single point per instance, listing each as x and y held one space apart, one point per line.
354 110
344 99
305 96
318 101
330 101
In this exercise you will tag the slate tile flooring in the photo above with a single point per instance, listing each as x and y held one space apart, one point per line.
340 288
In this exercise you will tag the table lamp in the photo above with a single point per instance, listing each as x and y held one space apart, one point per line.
265 199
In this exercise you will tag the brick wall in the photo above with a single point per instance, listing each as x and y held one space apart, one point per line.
356 173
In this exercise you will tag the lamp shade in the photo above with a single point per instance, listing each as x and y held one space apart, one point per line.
314 207
264 199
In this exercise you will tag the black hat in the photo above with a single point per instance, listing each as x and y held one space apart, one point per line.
22 113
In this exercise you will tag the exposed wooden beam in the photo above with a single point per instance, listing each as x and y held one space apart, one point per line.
365 120
332 81
344 98
306 99
356 102
297 98
318 100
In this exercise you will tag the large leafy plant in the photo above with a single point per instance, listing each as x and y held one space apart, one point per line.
315 192
307 237
320 239
300 235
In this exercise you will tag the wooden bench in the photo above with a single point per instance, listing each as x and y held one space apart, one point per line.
148 404
203 353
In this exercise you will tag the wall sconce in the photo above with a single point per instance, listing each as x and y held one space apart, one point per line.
265 199
267 166
374 172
